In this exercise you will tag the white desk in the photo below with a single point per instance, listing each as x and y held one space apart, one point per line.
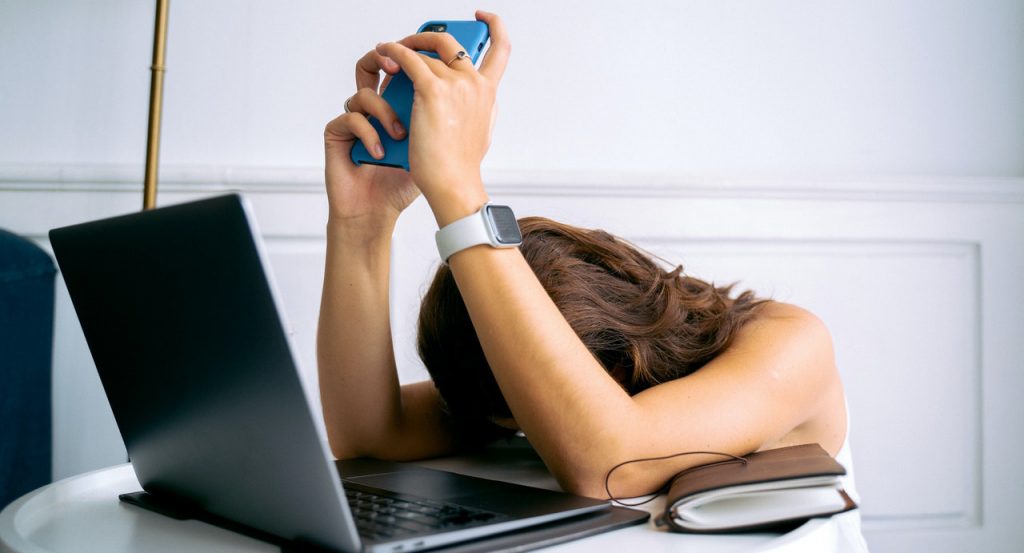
83 514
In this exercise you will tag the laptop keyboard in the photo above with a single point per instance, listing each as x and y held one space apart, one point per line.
380 515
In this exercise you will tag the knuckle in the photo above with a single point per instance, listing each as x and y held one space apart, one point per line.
484 85
466 86
353 120
433 87
450 40
360 120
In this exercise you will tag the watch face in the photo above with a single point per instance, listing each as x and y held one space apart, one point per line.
504 225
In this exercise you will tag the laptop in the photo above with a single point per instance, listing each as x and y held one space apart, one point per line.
183 322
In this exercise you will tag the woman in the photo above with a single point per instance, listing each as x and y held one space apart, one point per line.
766 378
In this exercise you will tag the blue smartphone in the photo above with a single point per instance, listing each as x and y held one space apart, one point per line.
473 36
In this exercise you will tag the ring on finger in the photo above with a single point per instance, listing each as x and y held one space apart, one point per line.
348 108
461 54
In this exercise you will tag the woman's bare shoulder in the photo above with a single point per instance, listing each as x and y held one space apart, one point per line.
797 346
790 347
775 384
777 310
788 323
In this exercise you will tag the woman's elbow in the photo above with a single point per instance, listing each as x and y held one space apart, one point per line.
340 447
602 475
622 483
584 485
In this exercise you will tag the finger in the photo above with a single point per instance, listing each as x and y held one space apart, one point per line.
493 66
367 101
368 69
414 65
444 44
349 125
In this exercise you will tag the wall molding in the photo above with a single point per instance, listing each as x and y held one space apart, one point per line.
309 180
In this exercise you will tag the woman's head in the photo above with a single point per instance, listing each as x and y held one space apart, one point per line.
644 324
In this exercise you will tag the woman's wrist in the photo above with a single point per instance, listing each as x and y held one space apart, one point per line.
456 200
361 231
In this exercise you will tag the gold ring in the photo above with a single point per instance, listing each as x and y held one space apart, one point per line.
458 56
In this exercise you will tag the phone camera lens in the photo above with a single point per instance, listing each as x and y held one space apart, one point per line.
437 28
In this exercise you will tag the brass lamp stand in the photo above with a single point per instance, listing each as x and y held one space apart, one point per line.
156 98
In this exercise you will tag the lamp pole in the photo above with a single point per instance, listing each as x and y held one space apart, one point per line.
156 98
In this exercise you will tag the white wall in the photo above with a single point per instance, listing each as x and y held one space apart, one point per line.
860 158
732 87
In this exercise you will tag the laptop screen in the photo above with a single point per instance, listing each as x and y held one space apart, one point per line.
181 321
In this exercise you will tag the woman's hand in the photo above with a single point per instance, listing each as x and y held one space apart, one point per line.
452 115
366 196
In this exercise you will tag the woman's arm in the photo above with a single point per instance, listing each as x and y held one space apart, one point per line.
578 418
365 410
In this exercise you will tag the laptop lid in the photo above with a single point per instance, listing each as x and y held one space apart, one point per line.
184 329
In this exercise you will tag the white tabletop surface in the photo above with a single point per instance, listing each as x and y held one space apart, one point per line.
83 514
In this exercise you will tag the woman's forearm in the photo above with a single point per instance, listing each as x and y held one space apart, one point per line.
574 414
366 412
356 364
582 423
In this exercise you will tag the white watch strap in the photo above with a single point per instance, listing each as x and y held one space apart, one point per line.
463 233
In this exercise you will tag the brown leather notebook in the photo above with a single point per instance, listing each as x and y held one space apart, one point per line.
772 489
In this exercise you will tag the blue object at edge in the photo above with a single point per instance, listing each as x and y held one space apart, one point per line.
26 349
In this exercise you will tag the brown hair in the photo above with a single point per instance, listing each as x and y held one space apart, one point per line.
644 324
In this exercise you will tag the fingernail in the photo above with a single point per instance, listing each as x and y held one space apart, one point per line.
378 151
397 126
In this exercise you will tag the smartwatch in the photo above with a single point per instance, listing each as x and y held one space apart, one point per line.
493 224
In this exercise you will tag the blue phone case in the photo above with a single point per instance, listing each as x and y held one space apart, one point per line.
472 35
